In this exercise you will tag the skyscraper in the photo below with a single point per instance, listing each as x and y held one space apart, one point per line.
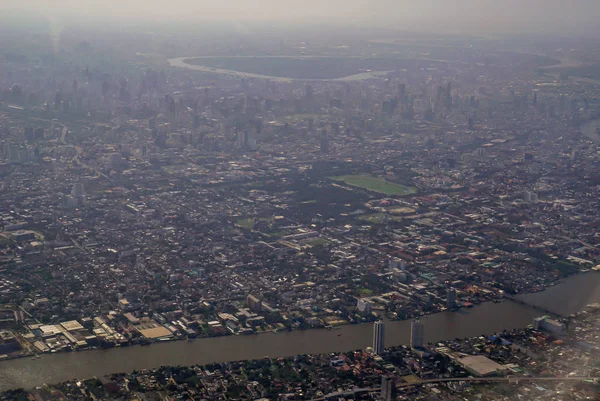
401 92
378 337
77 197
324 141
386 388
254 304
417 332
308 92
77 189
451 298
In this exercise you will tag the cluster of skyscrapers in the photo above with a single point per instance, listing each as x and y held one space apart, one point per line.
417 336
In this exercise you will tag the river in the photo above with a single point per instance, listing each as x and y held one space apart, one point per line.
180 62
567 297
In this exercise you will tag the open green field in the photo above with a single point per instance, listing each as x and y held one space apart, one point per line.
246 223
249 222
375 184
317 241
365 291
378 218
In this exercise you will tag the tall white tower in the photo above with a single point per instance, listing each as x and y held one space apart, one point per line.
417 333
378 337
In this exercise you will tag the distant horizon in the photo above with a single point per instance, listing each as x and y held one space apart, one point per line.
457 17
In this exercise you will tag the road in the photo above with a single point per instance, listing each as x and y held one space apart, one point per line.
460 379
79 151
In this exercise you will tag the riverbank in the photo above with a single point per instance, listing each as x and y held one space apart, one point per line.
568 296
590 130
31 347
60 367
186 62
312 376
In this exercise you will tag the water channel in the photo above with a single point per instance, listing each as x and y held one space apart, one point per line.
567 297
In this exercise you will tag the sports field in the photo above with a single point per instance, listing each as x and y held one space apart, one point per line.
375 184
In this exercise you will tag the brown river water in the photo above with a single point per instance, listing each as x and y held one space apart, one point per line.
570 296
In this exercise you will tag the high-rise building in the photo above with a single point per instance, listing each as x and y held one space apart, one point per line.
308 92
242 139
254 304
77 189
29 134
417 333
471 122
14 155
396 263
401 92
530 196
549 325
451 298
76 198
324 142
386 388
310 123
364 306
378 337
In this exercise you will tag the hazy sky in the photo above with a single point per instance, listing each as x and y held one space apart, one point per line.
465 16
